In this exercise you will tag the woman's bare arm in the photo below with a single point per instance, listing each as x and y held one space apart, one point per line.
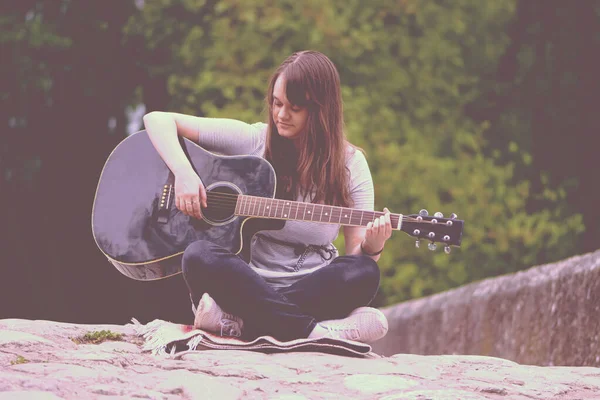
163 129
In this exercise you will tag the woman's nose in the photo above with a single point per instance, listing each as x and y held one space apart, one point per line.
282 113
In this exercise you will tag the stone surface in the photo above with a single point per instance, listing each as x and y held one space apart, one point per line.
38 360
546 315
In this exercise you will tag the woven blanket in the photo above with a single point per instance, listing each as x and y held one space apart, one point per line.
167 338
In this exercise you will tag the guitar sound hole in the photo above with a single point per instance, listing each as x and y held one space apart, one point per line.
221 204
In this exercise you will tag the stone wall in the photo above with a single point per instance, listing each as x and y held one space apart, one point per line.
547 315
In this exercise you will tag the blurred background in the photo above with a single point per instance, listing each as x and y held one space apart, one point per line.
488 109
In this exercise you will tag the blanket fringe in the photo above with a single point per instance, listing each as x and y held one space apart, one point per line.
159 335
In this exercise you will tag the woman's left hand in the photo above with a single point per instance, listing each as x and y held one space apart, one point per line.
378 232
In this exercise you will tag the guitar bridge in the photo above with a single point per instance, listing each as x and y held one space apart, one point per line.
166 200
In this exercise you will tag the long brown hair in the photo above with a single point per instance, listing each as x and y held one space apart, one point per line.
319 164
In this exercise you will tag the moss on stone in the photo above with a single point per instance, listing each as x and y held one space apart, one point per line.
97 337
19 360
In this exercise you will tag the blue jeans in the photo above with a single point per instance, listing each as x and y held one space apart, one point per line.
331 292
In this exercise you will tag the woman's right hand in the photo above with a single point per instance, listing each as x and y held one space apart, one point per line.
190 194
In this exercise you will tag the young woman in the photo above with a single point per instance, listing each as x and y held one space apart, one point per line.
296 285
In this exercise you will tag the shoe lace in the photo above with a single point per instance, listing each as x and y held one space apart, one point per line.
336 332
230 327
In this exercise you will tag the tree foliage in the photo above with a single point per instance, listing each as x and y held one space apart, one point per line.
409 71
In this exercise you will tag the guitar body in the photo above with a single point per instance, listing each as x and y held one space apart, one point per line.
139 229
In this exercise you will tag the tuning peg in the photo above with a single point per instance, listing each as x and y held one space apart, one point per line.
431 235
418 243
453 216
447 249
432 246
438 215
416 232
423 213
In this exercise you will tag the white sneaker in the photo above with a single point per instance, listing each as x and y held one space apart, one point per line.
365 325
210 317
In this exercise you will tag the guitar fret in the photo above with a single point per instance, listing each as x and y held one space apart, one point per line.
282 213
350 219
328 214
356 217
312 213
260 203
286 214
266 207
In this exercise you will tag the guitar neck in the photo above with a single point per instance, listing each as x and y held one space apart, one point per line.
263 207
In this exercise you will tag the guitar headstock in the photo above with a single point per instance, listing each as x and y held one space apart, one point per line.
434 228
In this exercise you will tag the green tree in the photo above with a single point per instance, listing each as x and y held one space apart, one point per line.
542 98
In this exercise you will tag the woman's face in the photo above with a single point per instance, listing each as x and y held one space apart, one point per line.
289 118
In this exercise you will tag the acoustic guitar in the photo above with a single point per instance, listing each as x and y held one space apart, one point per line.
139 229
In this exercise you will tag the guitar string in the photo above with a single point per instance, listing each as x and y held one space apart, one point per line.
332 218
293 208
334 213
234 199
229 200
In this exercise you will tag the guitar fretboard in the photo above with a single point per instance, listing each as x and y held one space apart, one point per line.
253 206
